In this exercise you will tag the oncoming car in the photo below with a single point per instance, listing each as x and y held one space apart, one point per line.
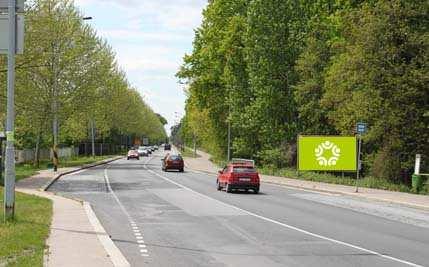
173 162
133 154
239 174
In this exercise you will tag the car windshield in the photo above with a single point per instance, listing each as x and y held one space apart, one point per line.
176 158
244 170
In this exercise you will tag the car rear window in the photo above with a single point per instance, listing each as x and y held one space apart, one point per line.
175 158
244 170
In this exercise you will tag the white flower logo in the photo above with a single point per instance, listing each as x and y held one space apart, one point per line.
320 151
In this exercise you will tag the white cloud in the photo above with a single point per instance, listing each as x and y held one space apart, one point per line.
150 38
134 34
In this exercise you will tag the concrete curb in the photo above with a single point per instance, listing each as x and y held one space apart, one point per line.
115 255
84 167
112 250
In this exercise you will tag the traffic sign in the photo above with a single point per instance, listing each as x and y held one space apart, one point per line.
4 5
361 127
4 34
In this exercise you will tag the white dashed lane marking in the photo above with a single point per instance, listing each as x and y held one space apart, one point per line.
134 227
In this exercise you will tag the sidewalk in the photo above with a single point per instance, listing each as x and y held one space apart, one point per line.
72 240
204 164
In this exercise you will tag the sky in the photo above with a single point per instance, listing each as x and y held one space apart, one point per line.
150 38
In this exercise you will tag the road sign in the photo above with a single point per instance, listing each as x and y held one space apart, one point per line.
327 153
4 5
361 127
4 34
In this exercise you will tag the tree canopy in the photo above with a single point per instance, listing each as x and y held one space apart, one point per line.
277 69
67 63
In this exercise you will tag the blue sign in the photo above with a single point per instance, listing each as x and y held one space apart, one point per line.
361 128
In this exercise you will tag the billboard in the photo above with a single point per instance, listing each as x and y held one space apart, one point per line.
327 153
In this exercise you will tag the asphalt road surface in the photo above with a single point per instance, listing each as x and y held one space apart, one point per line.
179 219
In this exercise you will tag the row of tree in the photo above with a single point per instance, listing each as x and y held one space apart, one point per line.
276 69
68 72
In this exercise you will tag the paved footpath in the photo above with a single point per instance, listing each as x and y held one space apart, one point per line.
72 241
204 164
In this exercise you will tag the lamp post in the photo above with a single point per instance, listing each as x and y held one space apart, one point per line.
9 196
55 127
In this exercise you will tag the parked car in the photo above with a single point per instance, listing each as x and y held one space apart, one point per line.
167 147
173 162
133 154
239 174
142 151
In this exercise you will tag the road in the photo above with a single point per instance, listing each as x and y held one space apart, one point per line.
179 219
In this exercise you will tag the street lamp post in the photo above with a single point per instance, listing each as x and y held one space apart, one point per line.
55 127
9 196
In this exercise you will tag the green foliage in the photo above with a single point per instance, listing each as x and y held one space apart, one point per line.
69 71
276 69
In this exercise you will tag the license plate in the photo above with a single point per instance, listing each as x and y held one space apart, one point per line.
244 179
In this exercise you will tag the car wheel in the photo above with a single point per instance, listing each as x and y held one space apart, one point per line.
228 188
181 170
256 190
128 158
219 187
138 158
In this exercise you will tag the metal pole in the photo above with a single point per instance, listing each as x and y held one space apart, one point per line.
359 164
93 137
229 140
9 196
55 112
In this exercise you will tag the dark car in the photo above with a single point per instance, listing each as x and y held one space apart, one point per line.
167 147
173 162
240 174
133 154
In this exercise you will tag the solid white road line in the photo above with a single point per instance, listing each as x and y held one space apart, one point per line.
284 224
115 255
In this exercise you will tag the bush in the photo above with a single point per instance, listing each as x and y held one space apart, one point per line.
272 157
387 164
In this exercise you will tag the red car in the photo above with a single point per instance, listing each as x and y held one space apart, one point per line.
133 154
237 175
173 162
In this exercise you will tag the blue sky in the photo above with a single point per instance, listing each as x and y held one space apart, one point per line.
150 38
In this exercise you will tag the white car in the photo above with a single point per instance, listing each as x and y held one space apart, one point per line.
143 151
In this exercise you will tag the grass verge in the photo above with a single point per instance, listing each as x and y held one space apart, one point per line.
25 170
22 241
369 182
189 153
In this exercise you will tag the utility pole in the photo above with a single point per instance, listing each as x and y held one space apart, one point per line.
229 129
9 196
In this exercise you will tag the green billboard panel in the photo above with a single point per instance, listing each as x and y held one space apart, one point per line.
327 153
